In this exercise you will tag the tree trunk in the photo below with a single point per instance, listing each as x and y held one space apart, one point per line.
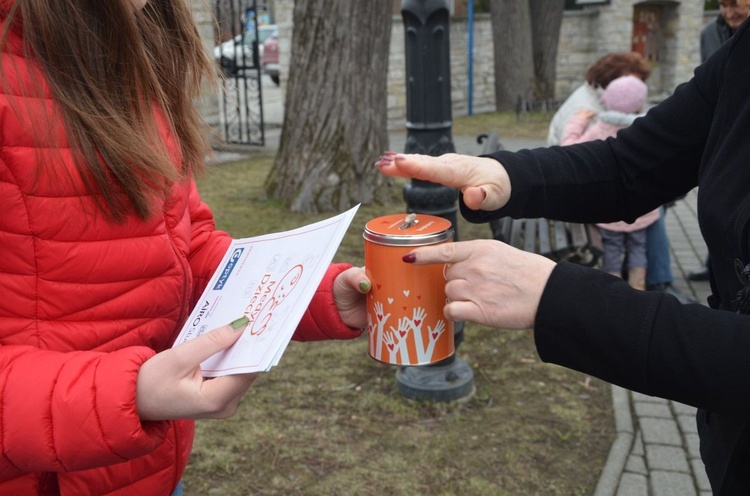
226 11
335 119
514 67
546 20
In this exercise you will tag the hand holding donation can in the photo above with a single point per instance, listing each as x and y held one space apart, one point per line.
405 320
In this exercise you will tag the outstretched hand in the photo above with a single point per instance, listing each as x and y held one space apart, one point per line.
488 282
170 384
483 181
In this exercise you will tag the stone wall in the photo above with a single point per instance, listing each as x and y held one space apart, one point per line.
593 32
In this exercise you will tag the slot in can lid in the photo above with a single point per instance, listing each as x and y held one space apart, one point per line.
408 230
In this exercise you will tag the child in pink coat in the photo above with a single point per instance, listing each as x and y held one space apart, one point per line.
623 100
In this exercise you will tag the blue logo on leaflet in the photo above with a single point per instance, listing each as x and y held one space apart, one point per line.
228 268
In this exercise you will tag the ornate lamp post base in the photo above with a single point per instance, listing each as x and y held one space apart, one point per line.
442 381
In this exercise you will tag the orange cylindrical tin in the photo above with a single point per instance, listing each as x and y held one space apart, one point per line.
406 325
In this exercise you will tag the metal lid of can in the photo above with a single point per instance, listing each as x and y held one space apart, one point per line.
408 229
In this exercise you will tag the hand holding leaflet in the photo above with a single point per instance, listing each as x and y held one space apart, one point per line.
271 279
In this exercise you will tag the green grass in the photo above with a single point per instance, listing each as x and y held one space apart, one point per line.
329 420
531 126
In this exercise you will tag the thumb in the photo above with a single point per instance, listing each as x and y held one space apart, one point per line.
474 197
208 344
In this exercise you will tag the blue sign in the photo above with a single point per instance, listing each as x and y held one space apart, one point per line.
236 254
263 18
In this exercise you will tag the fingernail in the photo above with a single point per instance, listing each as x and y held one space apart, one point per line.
484 194
409 258
364 286
240 323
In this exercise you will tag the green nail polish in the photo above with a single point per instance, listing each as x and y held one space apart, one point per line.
239 323
364 286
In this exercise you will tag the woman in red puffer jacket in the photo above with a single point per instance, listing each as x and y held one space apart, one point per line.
105 246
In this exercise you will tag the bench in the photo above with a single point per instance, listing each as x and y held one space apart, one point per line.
554 239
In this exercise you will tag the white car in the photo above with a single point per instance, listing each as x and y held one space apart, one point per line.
238 53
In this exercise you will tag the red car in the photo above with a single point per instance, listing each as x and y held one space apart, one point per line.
270 59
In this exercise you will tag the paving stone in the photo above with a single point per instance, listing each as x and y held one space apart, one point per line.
648 409
670 458
687 424
699 474
692 442
672 484
621 405
636 464
633 485
660 431
638 444
683 409
647 398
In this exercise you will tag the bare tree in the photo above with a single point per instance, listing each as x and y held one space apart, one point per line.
335 119
514 67
225 11
546 20
526 34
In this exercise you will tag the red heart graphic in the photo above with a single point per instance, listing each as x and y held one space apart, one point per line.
390 346
419 297
379 286
434 335
417 322
380 317
404 308
403 333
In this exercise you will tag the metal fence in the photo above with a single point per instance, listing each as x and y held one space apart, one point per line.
240 25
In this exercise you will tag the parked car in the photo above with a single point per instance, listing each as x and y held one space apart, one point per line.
270 59
239 54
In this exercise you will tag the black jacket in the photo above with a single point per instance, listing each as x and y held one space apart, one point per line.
647 341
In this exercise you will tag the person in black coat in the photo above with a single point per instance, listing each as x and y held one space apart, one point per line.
713 35
722 27
591 321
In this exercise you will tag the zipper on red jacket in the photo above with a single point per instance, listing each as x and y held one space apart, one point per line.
185 310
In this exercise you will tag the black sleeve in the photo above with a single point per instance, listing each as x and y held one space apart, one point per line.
645 341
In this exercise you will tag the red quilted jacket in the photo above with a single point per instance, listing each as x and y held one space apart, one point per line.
83 303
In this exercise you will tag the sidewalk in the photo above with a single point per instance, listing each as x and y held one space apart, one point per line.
655 452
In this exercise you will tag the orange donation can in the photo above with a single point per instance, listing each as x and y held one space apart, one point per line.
405 320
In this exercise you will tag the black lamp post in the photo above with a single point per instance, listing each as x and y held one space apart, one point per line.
428 125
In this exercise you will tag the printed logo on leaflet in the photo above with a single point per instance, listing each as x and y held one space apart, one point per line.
228 268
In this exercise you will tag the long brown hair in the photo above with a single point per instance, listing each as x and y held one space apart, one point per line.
113 71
